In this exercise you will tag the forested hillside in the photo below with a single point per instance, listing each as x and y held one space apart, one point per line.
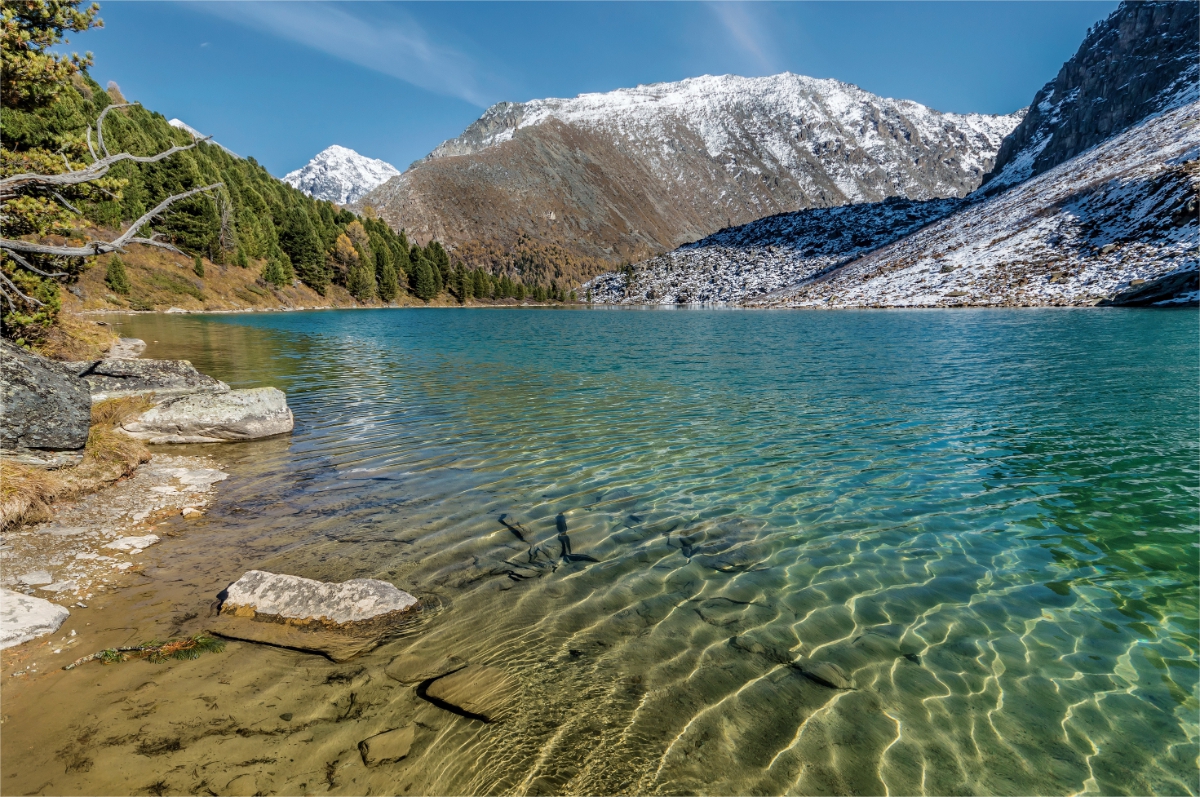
249 220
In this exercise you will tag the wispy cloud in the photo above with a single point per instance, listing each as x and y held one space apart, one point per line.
396 45
748 31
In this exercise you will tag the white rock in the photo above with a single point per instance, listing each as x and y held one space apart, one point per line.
36 578
190 511
202 476
59 586
214 417
24 617
134 544
296 598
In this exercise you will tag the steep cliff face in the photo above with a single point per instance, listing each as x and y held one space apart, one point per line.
1141 60
635 172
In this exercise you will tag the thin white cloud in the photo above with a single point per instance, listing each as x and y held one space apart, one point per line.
747 30
397 45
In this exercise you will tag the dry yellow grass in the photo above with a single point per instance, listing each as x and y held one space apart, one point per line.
27 494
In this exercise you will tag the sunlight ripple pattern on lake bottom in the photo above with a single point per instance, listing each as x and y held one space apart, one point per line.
835 552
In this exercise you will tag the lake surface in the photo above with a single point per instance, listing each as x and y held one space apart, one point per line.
980 525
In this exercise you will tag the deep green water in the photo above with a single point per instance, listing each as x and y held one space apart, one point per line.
986 521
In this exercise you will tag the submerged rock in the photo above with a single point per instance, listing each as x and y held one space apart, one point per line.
479 692
24 617
117 377
412 667
339 620
214 417
383 748
126 349
47 410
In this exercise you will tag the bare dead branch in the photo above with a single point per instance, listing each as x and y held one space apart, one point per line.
22 261
100 124
89 143
67 204
156 242
100 247
10 185
13 287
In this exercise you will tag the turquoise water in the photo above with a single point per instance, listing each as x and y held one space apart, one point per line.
928 552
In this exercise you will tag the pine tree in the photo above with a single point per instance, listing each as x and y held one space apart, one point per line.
273 272
116 278
298 239
385 273
424 284
241 260
198 266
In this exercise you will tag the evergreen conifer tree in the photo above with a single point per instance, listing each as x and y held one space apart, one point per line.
116 278
241 260
424 284
273 272
198 266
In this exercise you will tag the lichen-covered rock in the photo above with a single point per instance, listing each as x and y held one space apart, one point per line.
480 692
24 617
339 620
214 417
115 378
46 411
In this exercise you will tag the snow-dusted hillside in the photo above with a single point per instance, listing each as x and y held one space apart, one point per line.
184 126
1121 213
771 126
339 174
634 172
741 263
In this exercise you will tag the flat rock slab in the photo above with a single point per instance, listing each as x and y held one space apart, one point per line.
24 617
338 620
479 692
413 667
118 377
231 416
383 748
126 349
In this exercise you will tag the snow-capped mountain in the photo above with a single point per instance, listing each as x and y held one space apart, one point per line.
184 126
637 171
1062 222
339 174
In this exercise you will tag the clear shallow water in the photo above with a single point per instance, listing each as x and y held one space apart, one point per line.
987 520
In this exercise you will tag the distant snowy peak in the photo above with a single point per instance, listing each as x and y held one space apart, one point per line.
184 126
723 109
339 174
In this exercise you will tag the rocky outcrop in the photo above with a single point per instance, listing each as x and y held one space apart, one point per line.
230 416
46 410
1179 288
24 617
115 378
1139 61
339 620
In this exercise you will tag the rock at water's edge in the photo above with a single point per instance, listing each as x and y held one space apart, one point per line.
297 598
214 417
388 746
127 349
338 620
46 411
481 692
118 377
24 617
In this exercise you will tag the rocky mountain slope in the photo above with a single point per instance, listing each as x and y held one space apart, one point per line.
1092 226
339 174
1139 61
634 172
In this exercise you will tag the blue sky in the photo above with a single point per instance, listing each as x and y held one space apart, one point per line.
282 81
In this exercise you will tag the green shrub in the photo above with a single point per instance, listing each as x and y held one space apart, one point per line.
115 276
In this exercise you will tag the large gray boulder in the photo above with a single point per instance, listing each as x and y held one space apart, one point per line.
24 617
115 378
230 416
46 410
339 620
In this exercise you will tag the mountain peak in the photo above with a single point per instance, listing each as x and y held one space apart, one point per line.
339 174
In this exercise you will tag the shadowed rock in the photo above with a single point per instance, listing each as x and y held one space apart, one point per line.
383 748
115 378
46 410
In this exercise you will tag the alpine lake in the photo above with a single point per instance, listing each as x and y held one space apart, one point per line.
812 552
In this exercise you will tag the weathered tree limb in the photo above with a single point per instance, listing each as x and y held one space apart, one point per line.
101 247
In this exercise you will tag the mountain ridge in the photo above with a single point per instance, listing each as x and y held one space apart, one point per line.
339 174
